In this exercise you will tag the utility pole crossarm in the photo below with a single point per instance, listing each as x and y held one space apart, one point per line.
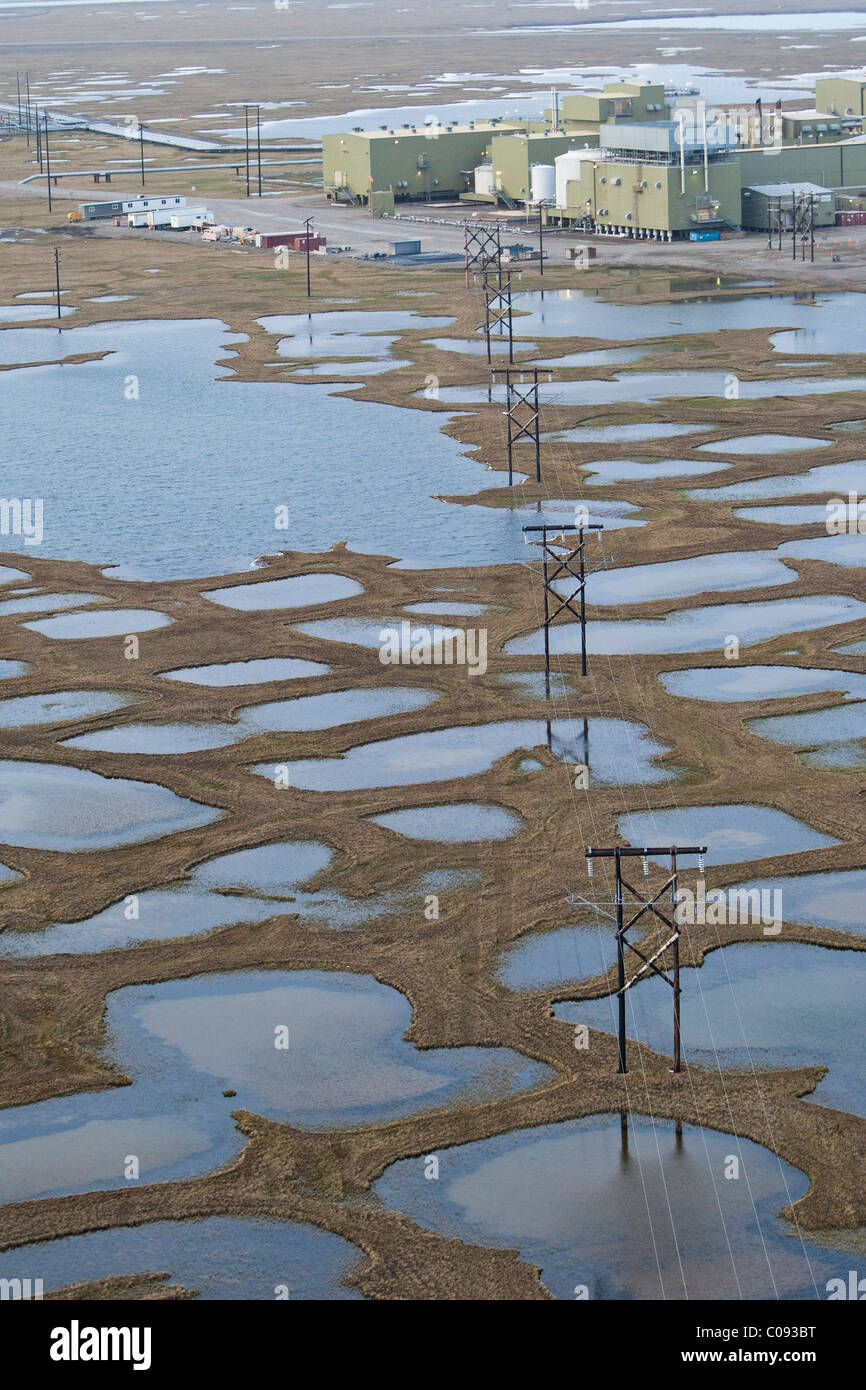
560 531
630 852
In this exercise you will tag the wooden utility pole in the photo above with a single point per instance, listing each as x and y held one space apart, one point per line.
481 247
259 146
308 226
498 310
554 566
57 279
247 144
523 417
646 904
48 166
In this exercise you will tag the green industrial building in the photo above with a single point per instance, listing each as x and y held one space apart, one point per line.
618 101
631 160
405 162
511 159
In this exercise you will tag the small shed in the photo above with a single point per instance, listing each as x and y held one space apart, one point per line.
763 201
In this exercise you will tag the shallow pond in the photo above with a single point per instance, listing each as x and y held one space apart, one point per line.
766 443
247 885
617 1207
731 833
335 368
559 313
298 591
830 738
345 332
832 899
254 672
7 574
445 608
618 751
646 387
743 569
60 705
695 629
182 505
599 357
761 1005
304 714
477 347
730 684
47 806
540 960
626 433
36 603
313 1049
367 632
784 516
226 1258
535 685
458 823
605 471
115 623
20 313
844 549
838 478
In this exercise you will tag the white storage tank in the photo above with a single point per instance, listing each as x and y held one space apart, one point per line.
542 183
568 170
484 179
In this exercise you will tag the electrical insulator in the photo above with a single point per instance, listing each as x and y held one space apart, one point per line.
700 863
645 867
589 865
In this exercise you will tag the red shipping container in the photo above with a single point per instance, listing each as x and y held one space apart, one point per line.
298 241
277 238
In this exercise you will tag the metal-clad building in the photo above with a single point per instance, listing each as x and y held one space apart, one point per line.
762 204
663 140
832 164
618 101
433 162
661 165
841 96
513 155
649 199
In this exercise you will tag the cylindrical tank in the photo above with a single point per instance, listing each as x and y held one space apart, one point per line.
567 168
484 178
542 183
